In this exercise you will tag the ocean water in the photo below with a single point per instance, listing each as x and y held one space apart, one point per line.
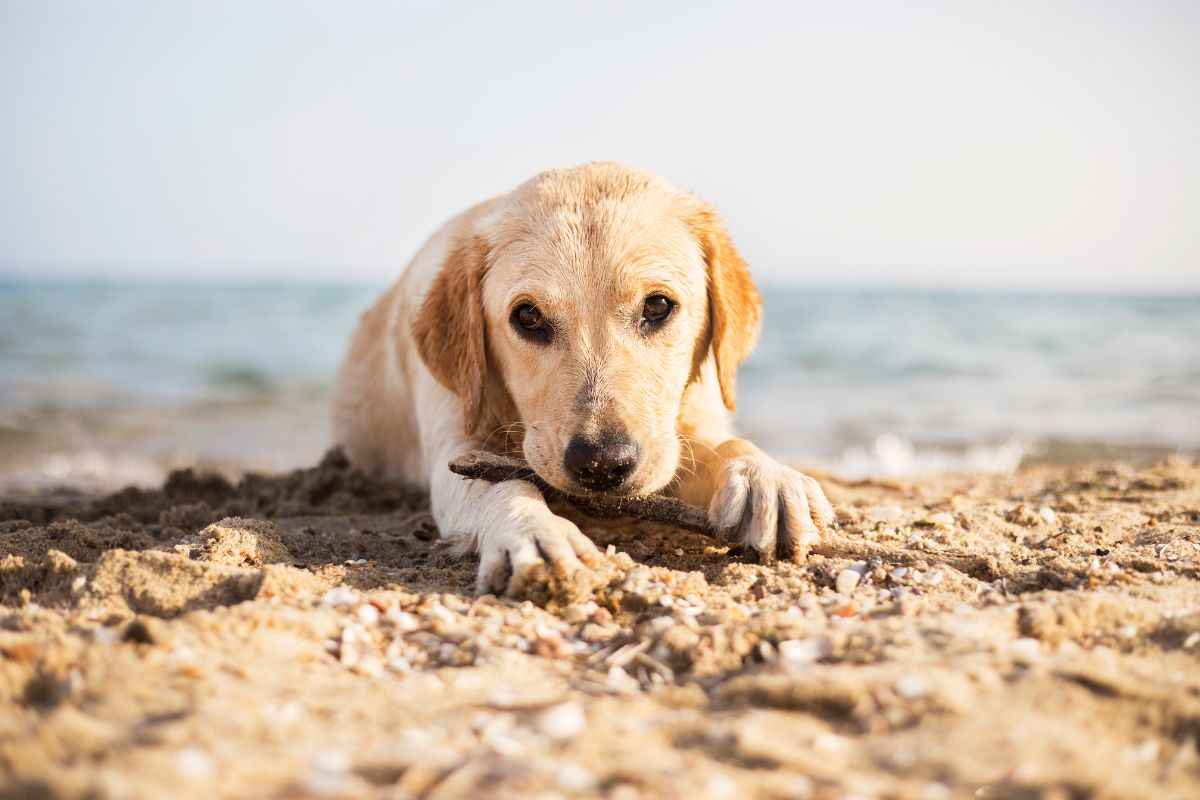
112 383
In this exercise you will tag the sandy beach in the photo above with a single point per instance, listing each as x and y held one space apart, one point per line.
1036 635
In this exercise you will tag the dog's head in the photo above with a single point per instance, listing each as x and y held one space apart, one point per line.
577 317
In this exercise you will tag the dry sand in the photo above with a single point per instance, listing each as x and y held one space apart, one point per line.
1029 636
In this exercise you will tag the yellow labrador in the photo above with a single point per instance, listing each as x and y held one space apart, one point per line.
594 319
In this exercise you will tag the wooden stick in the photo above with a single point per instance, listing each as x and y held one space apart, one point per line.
486 466
655 508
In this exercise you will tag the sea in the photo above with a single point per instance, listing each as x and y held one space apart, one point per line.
104 384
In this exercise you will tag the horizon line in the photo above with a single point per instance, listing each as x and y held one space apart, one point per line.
318 277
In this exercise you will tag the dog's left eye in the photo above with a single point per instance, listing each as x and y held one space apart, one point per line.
655 310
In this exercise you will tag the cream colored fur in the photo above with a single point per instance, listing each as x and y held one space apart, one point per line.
436 368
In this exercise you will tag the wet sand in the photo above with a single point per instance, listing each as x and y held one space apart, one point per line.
305 635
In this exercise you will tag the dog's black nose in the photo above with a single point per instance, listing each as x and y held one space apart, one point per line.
600 465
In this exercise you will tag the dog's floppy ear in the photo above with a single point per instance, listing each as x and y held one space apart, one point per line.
734 305
449 327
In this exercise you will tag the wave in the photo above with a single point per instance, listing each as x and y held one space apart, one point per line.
892 455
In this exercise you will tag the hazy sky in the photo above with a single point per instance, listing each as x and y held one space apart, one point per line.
991 144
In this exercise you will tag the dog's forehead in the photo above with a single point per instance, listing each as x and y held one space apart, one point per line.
606 245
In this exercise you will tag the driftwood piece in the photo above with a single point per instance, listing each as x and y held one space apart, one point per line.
486 466
655 508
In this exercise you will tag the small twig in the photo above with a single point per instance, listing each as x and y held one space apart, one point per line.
655 508
628 653
671 511
649 661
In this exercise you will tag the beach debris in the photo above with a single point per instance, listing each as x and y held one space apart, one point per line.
562 722
138 632
804 652
886 513
942 519
1024 516
847 581
1025 650
340 596
912 686
194 764
367 614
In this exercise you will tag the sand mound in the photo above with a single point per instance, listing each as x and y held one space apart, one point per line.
165 585
243 543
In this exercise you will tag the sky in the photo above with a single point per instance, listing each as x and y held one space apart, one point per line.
1017 145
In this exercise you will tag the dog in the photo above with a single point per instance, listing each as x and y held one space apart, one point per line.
593 320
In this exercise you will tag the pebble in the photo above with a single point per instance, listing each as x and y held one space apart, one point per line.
576 779
1025 650
441 614
328 775
1191 641
194 764
936 791
942 519
594 633
847 581
1048 515
401 620
1146 751
886 513
680 639
503 744
371 667
619 680
330 761
719 786
105 636
367 614
326 784
340 596
803 652
912 687
349 651
844 610
579 613
562 722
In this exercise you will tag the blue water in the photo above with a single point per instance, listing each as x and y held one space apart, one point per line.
861 381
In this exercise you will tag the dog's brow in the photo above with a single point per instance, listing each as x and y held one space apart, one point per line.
536 291
665 273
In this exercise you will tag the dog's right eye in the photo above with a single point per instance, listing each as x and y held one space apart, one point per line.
530 323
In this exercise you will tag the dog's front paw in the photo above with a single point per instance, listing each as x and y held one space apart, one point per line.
775 510
512 556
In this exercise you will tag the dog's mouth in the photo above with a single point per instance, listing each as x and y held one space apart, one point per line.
608 464
576 490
